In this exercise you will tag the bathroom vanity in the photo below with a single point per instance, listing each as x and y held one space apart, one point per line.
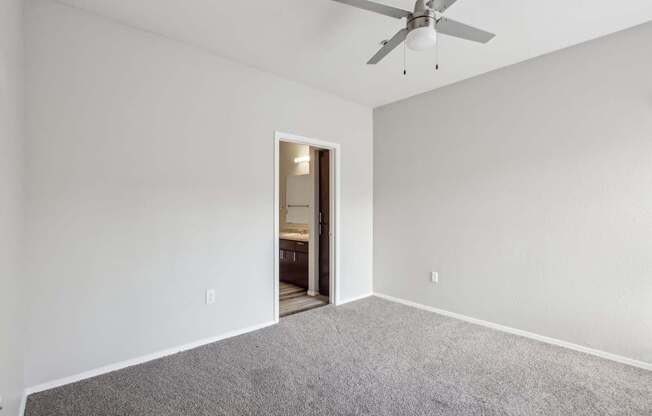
293 259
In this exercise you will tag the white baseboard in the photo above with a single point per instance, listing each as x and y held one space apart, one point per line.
353 299
139 360
23 404
526 334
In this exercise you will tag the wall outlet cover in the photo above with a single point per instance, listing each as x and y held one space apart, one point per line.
210 296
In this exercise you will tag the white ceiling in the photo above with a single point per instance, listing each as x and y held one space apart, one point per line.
326 44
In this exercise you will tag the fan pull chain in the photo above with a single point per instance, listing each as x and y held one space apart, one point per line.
404 60
437 55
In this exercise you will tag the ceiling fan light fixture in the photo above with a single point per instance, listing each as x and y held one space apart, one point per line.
422 38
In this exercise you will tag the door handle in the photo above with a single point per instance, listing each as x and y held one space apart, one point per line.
294 256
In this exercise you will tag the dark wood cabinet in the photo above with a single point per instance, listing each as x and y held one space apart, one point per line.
293 262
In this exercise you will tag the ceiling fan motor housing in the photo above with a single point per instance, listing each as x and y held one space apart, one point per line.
426 18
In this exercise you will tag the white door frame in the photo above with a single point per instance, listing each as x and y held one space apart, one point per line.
335 181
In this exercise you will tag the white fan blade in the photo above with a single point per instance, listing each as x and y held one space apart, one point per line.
388 47
460 30
377 7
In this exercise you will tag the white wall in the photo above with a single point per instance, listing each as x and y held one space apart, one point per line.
530 190
150 179
11 196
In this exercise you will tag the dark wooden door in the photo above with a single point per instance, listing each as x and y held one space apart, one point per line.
324 222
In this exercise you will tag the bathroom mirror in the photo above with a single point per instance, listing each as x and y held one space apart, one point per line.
298 199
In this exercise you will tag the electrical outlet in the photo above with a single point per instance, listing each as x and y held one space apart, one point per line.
210 296
434 277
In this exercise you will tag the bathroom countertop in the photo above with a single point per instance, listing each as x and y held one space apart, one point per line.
294 236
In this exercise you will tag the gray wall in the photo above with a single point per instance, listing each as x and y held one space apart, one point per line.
150 179
530 190
11 196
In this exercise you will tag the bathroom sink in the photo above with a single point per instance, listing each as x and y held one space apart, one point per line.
284 235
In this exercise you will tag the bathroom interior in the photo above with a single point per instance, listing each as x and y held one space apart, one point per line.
304 232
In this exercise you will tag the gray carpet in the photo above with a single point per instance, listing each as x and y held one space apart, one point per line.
370 357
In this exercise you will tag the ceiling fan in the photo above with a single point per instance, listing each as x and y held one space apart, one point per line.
422 25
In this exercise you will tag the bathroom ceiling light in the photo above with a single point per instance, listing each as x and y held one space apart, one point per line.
302 159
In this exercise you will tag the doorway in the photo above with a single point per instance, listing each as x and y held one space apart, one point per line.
306 178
